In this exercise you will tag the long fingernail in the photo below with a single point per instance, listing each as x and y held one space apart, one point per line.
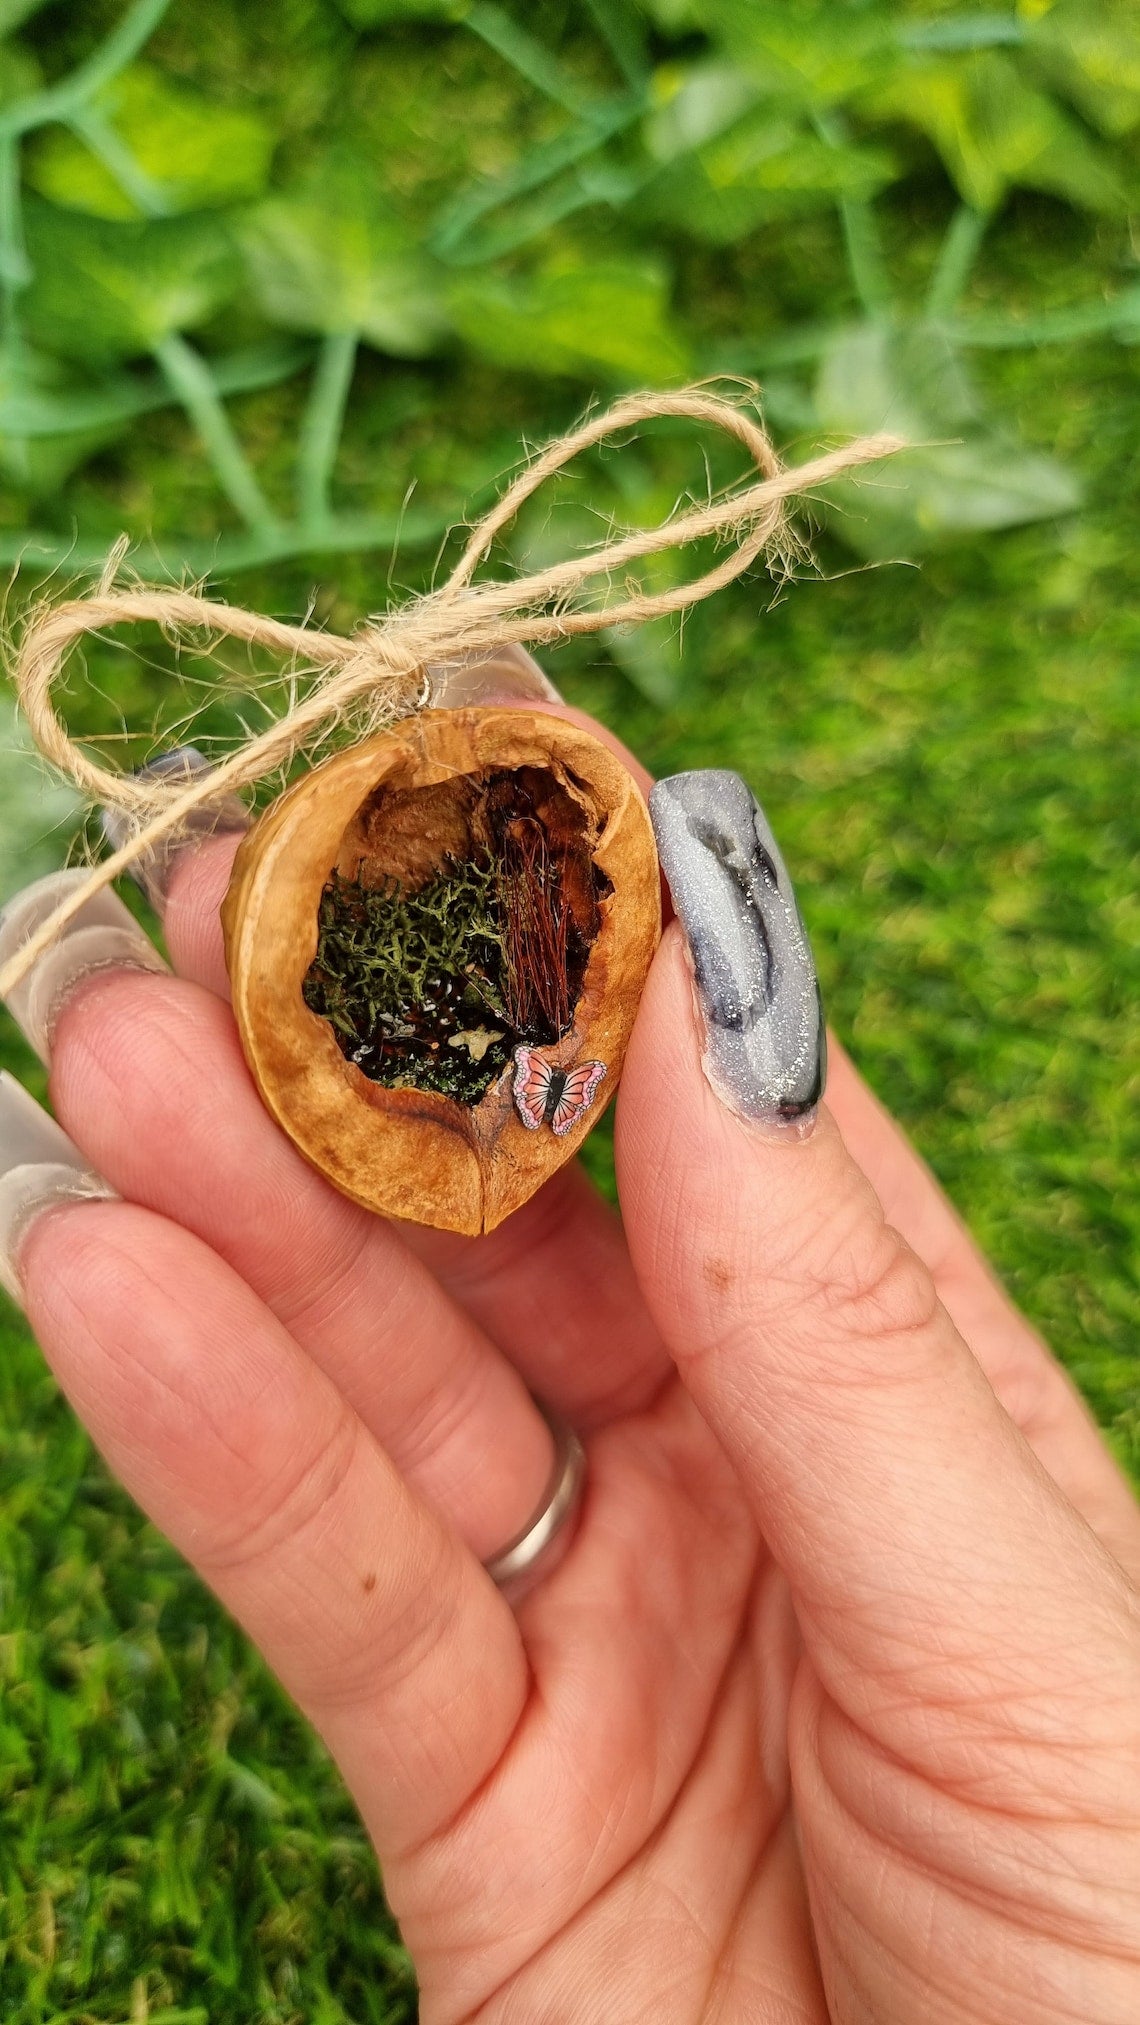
39 1168
224 815
102 936
509 675
765 1052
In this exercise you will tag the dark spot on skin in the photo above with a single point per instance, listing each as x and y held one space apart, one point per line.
719 1275
368 1584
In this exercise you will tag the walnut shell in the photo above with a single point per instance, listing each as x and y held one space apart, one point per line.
410 1152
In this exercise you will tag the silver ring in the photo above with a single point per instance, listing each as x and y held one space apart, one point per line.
536 1551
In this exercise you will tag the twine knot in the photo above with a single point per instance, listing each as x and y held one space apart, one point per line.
379 674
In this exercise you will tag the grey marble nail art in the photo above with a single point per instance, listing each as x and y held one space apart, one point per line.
227 814
766 1050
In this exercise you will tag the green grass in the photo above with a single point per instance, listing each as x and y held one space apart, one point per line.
948 756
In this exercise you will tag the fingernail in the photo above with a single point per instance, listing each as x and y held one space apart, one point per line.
39 1168
509 675
225 815
765 1051
102 936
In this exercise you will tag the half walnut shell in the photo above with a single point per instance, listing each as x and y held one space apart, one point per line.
463 804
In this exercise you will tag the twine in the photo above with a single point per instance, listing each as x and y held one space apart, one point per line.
378 673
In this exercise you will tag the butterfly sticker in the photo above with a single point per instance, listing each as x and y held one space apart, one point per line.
546 1095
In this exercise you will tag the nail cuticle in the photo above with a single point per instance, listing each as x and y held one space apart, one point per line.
45 1016
27 1195
754 979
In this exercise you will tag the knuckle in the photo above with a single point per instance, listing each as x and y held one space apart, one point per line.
875 1285
316 1256
441 1414
296 1501
854 1282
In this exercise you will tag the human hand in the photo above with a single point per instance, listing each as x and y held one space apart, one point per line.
830 1710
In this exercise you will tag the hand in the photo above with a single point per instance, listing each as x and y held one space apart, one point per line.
831 1709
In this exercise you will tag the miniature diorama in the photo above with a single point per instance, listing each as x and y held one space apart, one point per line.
437 938
437 941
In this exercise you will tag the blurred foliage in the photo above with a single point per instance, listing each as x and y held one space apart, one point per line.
38 813
459 179
264 270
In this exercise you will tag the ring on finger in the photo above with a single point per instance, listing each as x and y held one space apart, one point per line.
535 1552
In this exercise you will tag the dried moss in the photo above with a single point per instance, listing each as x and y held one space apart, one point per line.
413 983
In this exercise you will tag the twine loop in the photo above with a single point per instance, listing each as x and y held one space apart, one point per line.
378 674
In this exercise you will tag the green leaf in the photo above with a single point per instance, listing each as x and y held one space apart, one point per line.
692 103
37 463
1090 52
904 378
20 74
993 131
766 165
588 318
105 291
332 255
384 13
908 380
926 497
194 151
813 55
13 13
51 422
38 814
38 397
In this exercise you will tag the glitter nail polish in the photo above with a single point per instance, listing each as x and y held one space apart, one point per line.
765 1048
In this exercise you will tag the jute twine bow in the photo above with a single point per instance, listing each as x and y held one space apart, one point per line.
377 674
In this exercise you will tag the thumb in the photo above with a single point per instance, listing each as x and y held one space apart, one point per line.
918 1532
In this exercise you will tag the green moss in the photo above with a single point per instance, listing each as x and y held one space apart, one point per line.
412 983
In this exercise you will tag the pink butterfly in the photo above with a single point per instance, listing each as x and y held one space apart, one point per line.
546 1095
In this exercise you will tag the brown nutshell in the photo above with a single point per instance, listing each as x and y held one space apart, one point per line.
438 790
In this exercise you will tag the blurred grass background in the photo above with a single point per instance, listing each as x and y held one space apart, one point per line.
284 293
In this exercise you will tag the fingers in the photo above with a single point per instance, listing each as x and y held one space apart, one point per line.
152 1086
908 1513
156 1094
377 1620
191 918
553 1286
